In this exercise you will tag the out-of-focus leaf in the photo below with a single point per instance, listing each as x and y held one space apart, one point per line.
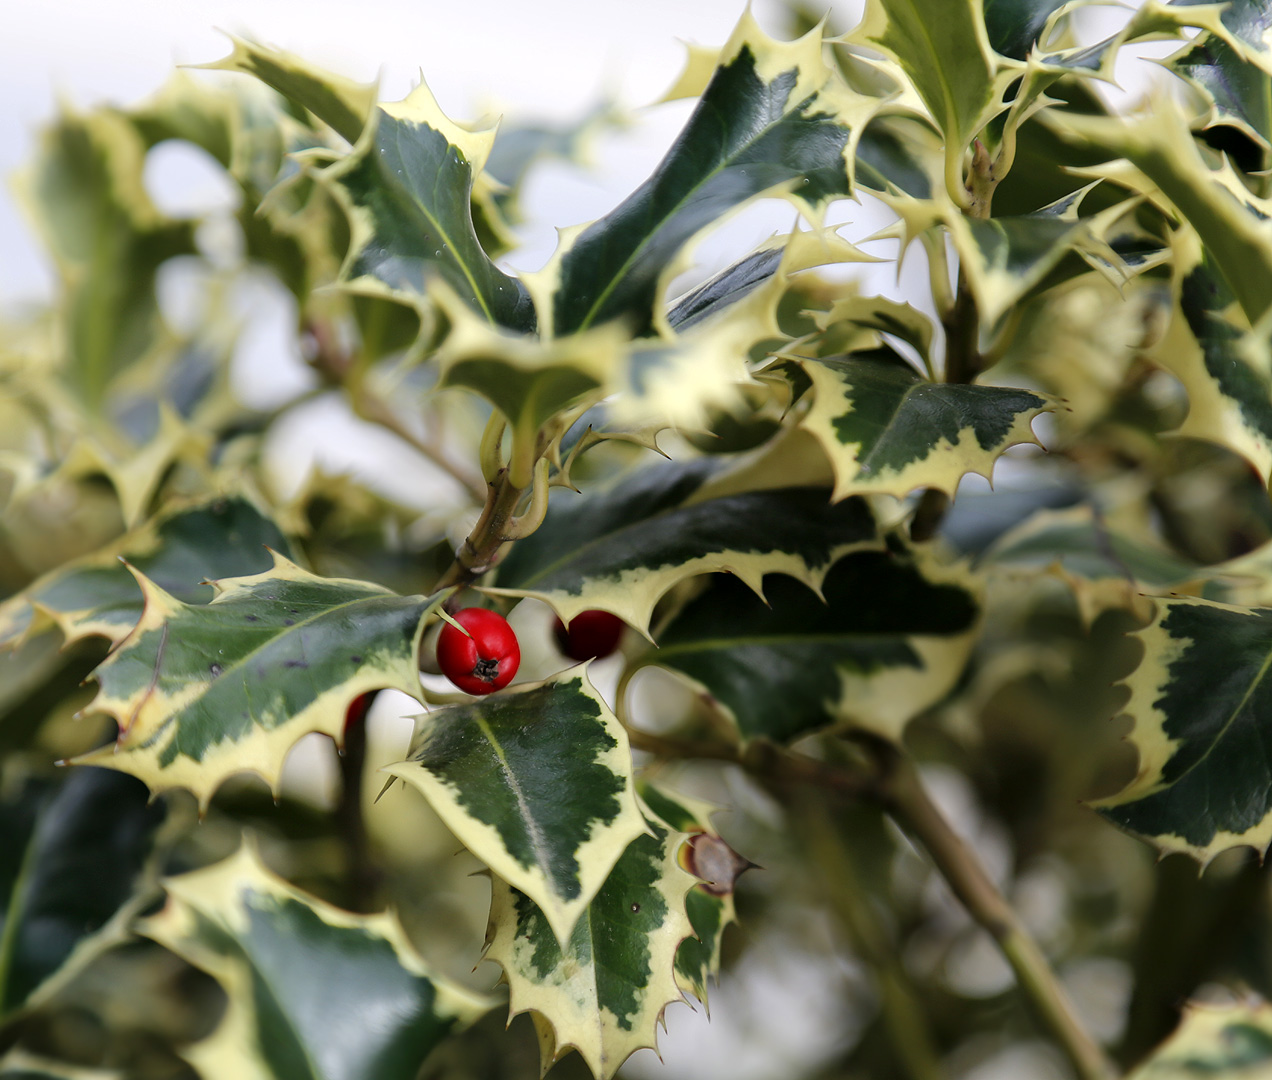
73 856
203 691
1232 1041
20 1065
1200 699
313 991
889 639
603 992
774 119
623 549
537 783
179 551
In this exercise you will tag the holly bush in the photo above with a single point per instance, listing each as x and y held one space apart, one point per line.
897 705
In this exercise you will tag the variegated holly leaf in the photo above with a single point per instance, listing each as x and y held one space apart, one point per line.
944 50
888 637
1015 26
87 195
1200 700
603 992
709 904
621 550
887 430
1239 92
94 826
341 103
537 783
775 119
899 155
179 551
718 327
202 691
1210 348
407 189
1233 1041
1104 567
313 991
1234 225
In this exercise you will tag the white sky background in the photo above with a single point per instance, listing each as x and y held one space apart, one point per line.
547 59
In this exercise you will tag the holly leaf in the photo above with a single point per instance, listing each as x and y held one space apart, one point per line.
775 118
1233 1040
887 430
888 637
709 904
603 992
407 189
179 551
313 990
202 691
1200 699
1221 363
92 826
537 783
86 193
944 50
1015 26
622 550
898 155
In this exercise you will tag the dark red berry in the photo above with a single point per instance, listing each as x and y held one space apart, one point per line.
483 660
591 634
358 708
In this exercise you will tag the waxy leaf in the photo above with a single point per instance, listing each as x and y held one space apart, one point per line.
1229 1040
709 904
179 551
888 431
943 47
1201 700
94 826
201 692
1015 26
1210 349
603 992
623 549
314 991
890 639
407 189
537 783
775 119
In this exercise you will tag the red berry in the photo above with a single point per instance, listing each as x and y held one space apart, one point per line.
358 708
481 663
591 634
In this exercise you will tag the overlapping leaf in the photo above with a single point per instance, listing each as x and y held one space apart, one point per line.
623 549
889 639
407 188
709 904
887 430
603 992
178 551
20 1065
944 50
313 991
1200 699
775 118
537 783
1104 567
1231 1040
204 691
1209 346
94 826
86 193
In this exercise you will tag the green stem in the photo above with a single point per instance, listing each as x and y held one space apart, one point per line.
907 802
